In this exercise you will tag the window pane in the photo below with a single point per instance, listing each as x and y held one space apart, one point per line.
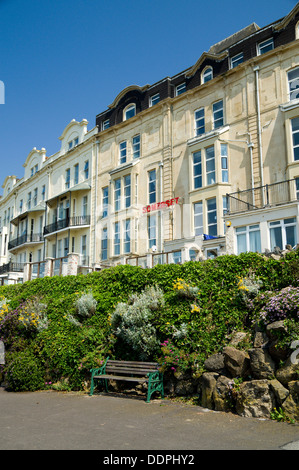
241 243
198 218
290 235
255 241
212 217
275 237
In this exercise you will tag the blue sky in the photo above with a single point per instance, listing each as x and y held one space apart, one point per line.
68 59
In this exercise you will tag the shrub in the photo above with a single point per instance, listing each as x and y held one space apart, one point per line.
24 372
132 322
86 305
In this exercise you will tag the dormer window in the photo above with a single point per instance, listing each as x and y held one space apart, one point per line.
180 89
265 46
73 143
106 124
129 111
207 74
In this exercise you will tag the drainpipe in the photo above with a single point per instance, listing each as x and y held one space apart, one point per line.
161 199
95 202
256 70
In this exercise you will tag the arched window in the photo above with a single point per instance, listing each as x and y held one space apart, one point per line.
293 80
207 74
129 111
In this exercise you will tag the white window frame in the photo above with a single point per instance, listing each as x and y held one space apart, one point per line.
210 165
236 60
117 194
86 169
295 138
198 218
180 89
247 230
136 141
224 162
104 244
76 173
218 121
152 193
152 230
116 239
105 124
154 99
127 191
207 74
264 45
122 152
293 81
283 224
127 236
197 167
214 223
129 111
199 117
67 178
105 201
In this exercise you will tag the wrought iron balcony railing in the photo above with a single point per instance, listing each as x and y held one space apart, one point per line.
12 268
263 196
67 223
26 238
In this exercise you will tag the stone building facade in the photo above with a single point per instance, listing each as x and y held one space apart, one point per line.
191 167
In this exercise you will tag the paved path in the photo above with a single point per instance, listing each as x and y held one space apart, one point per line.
69 421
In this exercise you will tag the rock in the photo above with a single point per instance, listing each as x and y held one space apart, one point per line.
274 329
260 337
184 387
277 352
288 372
236 362
208 384
215 363
262 364
255 399
237 338
220 394
291 405
280 392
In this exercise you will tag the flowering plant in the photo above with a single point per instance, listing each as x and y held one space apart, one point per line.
280 306
184 289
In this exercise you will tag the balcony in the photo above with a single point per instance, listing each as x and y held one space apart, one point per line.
26 238
268 195
11 268
69 222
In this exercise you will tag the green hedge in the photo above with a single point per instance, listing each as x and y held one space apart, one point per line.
66 350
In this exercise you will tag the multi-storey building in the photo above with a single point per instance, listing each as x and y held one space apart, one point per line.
193 166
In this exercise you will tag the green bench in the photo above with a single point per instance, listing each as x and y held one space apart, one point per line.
131 372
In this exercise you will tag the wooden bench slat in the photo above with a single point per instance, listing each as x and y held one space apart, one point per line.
119 377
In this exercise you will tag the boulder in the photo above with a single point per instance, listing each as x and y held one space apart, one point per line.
215 363
280 392
261 363
255 399
236 362
208 384
220 394
288 372
291 405
273 330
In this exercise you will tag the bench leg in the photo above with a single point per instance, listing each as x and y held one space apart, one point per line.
154 385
